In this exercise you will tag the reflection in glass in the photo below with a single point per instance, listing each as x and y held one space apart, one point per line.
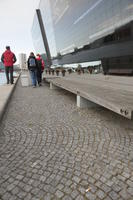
71 24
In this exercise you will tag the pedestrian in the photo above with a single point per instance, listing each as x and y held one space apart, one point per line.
8 58
32 66
40 69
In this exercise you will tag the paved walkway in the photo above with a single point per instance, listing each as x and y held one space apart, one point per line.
51 150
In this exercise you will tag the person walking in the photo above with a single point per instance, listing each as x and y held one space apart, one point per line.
8 58
33 66
40 69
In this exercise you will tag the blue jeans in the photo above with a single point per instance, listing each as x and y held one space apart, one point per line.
33 75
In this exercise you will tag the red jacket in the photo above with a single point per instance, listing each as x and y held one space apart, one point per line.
8 58
42 62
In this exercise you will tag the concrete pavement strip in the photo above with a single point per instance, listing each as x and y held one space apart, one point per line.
5 95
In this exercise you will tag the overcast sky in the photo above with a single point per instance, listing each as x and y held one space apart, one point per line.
16 17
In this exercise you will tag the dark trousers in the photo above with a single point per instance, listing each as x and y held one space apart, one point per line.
9 70
39 76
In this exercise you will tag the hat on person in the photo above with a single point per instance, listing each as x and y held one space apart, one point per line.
7 47
38 54
31 54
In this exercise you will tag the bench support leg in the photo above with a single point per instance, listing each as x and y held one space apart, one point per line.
53 87
84 103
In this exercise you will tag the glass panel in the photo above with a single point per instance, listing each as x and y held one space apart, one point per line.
48 25
37 36
75 23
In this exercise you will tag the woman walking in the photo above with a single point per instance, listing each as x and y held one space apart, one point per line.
40 69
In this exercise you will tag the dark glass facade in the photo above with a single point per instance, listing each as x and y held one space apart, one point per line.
74 24
80 22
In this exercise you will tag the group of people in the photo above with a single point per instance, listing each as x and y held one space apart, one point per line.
35 66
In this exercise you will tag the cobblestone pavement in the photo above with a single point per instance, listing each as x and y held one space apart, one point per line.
51 150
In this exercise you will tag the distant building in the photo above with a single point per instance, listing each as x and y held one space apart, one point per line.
22 61
16 67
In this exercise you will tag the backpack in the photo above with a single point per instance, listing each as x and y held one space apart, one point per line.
32 62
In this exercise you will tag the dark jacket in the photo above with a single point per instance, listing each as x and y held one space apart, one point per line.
32 67
40 63
8 58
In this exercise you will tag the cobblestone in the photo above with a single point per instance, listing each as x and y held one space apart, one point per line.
59 194
51 150
100 194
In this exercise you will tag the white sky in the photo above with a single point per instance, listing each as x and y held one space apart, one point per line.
16 17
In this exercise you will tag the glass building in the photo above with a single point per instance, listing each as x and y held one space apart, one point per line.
85 30
37 37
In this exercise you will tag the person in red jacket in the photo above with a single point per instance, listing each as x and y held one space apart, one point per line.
8 58
40 69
